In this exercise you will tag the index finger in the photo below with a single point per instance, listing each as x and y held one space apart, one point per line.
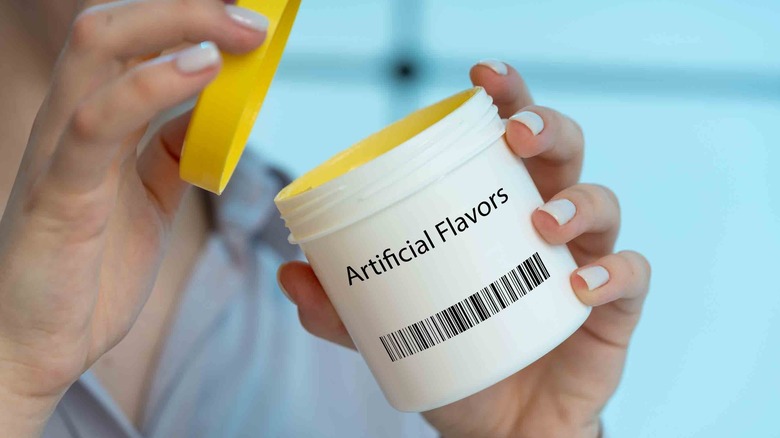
551 144
504 84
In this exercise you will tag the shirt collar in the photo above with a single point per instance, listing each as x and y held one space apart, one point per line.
245 214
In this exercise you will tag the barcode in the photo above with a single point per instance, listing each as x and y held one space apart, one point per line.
466 314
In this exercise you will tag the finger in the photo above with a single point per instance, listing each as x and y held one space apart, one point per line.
130 28
104 38
158 166
616 285
317 314
503 84
586 216
552 145
91 142
624 276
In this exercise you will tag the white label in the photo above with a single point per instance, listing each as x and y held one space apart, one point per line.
427 239
452 288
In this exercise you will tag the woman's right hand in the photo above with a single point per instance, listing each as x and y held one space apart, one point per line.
86 227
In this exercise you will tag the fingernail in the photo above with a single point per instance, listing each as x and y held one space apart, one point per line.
495 65
197 58
248 18
562 210
594 276
533 121
281 286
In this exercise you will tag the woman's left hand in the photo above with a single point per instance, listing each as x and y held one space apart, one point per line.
562 394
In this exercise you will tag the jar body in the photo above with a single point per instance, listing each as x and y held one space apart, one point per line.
451 289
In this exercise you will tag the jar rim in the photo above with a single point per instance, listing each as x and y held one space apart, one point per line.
409 153
375 145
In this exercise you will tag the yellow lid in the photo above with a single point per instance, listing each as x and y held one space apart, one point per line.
226 111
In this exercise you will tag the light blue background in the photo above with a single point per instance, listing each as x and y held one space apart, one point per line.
680 102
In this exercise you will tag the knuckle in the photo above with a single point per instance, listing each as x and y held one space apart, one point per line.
143 87
597 197
569 124
588 195
85 123
565 129
638 263
608 195
86 29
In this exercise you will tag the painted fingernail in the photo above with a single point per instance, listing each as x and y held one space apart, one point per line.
533 121
495 65
248 18
281 286
562 210
594 276
197 58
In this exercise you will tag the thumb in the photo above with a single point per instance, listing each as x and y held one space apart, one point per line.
317 314
158 165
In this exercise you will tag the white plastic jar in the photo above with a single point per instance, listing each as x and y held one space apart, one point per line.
421 236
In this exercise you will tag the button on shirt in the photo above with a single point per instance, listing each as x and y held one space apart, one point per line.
236 362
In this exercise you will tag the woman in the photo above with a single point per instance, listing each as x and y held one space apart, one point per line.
102 335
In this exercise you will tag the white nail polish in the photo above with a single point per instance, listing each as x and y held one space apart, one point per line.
248 18
495 65
197 58
533 121
562 210
594 276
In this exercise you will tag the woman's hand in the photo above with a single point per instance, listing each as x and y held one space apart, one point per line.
87 224
563 393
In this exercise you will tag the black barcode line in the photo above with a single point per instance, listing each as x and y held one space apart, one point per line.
468 313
